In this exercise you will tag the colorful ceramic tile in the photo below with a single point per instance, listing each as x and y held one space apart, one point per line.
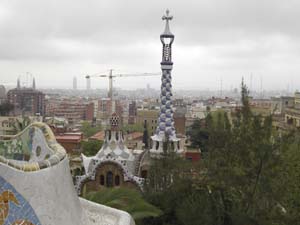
14 209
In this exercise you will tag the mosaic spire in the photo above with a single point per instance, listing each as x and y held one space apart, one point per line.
166 121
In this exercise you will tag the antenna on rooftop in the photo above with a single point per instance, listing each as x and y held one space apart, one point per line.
110 77
261 86
221 87
251 77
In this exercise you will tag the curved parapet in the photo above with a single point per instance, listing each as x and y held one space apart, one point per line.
33 149
36 186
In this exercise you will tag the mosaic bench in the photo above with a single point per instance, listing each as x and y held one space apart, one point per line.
36 185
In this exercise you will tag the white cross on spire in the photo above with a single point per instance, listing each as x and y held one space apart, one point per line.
167 17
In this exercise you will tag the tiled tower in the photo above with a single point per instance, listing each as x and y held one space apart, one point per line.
166 120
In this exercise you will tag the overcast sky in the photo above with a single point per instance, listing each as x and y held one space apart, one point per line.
56 40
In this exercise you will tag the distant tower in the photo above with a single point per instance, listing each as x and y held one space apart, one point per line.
18 83
166 120
74 83
88 84
33 84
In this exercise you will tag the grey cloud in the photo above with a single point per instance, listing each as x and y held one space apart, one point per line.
234 35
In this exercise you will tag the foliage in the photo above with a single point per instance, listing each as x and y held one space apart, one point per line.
129 128
198 134
5 108
88 130
125 199
146 136
91 147
250 175
244 167
167 185
200 130
164 170
290 177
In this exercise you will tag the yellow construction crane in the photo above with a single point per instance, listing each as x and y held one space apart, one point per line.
111 76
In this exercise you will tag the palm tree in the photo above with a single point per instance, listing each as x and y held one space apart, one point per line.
125 199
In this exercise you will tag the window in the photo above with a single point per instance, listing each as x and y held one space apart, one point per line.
144 173
157 145
109 179
172 145
101 180
189 158
117 180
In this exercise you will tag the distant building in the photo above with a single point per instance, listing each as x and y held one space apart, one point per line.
88 84
261 106
26 101
179 123
89 112
105 109
292 114
280 104
57 125
179 116
134 140
297 100
96 106
73 110
70 141
33 83
149 117
75 83
132 112
197 111
2 94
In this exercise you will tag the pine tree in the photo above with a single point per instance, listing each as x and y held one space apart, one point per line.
146 136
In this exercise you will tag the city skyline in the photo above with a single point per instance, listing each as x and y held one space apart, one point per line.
216 43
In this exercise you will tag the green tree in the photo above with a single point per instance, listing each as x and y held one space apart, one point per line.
91 147
290 177
5 108
250 176
146 136
125 199
129 128
88 130
243 168
198 134
168 181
